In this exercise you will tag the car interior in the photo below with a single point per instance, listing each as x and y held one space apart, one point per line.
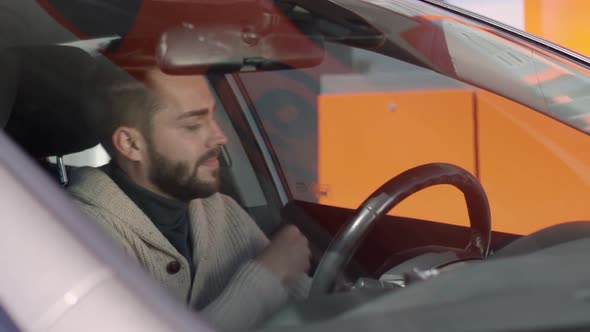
47 99
44 89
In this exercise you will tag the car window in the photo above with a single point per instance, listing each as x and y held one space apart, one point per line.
526 73
342 129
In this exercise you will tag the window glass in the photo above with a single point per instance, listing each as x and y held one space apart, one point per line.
342 129
533 77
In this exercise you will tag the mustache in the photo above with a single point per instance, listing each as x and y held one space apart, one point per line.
213 153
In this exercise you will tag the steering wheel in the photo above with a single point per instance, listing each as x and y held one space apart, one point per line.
349 237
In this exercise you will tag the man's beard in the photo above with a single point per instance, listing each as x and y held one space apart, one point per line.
178 179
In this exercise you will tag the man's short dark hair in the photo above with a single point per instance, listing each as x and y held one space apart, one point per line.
119 99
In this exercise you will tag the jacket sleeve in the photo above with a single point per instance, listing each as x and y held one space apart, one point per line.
254 293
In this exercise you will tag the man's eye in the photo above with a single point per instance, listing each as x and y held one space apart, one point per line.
192 127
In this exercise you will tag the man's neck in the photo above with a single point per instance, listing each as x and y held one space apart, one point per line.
135 174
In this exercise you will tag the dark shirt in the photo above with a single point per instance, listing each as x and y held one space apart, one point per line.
169 216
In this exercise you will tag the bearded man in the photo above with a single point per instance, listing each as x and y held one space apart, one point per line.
158 198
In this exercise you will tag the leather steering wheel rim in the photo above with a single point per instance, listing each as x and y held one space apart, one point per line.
382 200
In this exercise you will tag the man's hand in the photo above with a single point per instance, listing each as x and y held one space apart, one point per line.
287 255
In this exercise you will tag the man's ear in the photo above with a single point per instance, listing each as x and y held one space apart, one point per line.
129 143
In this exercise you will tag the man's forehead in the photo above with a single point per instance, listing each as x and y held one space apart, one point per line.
185 92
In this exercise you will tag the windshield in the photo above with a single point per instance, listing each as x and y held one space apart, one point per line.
334 127
226 146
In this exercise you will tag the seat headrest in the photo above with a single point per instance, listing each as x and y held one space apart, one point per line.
49 112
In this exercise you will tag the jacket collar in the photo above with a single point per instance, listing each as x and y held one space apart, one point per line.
94 187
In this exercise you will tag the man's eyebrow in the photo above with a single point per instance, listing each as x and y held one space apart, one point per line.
189 114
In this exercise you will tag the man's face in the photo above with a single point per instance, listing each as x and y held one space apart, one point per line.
184 142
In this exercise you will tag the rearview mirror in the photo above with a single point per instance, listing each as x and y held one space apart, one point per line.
226 48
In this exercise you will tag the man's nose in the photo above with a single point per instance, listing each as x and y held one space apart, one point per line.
218 136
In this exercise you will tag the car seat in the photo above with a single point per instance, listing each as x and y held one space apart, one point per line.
47 115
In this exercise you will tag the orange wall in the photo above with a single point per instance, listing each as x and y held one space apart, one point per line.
564 22
535 170
362 144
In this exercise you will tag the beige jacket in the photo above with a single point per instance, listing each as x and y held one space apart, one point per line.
230 288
